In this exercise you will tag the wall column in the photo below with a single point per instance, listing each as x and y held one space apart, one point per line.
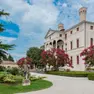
56 44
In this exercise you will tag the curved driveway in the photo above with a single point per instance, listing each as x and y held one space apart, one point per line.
66 85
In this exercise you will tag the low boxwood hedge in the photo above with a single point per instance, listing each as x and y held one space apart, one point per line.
71 73
91 76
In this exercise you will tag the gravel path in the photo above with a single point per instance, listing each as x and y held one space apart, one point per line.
66 85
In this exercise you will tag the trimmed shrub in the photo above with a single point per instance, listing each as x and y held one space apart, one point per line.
91 76
71 73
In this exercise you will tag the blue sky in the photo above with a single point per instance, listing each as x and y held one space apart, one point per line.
30 20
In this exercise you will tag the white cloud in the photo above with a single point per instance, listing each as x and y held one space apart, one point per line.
18 55
64 5
7 39
42 14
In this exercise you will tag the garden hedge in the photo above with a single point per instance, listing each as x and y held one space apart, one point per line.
91 76
70 74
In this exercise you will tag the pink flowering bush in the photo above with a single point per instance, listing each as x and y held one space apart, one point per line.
56 58
88 55
22 60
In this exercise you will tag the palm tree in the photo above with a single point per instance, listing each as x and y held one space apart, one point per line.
4 47
2 13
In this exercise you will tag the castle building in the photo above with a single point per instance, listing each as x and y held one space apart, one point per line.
72 40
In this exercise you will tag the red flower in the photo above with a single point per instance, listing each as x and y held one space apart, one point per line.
55 56
22 60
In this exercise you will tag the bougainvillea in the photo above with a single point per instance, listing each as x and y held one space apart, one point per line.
22 60
56 58
88 55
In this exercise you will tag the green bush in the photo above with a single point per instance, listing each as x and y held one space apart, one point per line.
2 75
91 76
14 71
18 79
34 78
2 68
9 78
71 73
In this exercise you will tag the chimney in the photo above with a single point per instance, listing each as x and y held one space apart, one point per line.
61 27
82 13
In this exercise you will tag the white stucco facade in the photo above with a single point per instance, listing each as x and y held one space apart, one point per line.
72 40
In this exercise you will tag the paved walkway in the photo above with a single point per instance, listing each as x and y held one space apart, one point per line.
66 85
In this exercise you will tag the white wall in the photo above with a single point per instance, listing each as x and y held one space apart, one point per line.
84 34
89 33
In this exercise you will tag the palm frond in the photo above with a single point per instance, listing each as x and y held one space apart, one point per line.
6 46
3 13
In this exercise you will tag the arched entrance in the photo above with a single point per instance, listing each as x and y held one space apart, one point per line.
60 44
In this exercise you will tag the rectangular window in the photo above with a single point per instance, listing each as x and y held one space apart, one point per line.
78 29
71 45
70 32
60 35
91 27
91 41
66 44
65 36
58 47
65 49
77 41
77 59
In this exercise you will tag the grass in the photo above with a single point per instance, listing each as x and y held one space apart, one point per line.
35 85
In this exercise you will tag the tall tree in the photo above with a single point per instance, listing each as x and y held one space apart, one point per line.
4 47
35 54
10 58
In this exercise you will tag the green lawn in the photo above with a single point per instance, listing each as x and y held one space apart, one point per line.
35 85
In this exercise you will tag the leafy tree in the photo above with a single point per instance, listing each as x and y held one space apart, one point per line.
56 58
35 54
4 47
88 55
10 58
42 47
